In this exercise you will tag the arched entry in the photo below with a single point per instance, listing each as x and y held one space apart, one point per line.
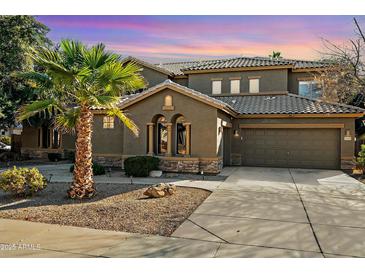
159 136
181 135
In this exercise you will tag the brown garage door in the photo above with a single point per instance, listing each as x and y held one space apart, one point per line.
302 148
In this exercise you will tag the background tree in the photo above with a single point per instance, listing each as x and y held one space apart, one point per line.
344 79
276 55
17 34
76 80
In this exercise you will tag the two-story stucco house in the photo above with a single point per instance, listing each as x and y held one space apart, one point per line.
203 115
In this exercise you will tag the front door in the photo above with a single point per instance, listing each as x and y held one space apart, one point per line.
226 146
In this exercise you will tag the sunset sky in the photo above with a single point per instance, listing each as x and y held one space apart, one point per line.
166 38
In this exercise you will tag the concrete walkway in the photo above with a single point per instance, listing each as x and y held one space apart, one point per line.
269 212
28 239
61 173
256 212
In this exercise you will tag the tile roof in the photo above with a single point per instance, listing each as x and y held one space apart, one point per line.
146 64
242 62
284 104
177 67
299 64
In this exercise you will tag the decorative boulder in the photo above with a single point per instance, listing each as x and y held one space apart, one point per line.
160 190
155 173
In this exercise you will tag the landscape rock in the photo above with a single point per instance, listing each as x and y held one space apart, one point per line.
160 190
155 173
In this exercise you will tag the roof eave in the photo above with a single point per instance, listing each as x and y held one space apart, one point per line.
148 65
196 71
302 115
309 69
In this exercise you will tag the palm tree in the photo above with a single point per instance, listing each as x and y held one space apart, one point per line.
77 79
276 55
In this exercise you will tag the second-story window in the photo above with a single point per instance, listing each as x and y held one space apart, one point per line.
235 86
254 85
311 89
216 86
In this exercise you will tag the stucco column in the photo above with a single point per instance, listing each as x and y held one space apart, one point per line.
169 138
40 137
51 138
60 139
150 138
187 125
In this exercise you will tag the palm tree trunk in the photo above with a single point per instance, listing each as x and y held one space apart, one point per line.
83 183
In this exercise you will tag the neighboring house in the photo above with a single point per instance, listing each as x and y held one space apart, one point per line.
15 130
201 115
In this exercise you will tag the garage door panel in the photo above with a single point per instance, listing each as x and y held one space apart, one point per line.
306 148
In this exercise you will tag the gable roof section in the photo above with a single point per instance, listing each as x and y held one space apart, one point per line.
288 104
146 64
135 98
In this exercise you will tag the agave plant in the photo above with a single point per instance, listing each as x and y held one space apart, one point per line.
75 80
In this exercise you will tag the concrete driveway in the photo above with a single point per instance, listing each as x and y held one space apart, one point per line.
255 212
278 212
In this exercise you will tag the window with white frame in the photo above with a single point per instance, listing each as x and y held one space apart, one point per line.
235 86
108 122
216 87
254 85
311 89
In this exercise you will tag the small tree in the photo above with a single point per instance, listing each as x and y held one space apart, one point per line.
344 77
361 158
17 34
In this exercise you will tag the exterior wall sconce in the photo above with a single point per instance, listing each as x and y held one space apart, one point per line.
235 133
347 136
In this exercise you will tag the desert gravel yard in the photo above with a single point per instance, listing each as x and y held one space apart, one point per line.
117 207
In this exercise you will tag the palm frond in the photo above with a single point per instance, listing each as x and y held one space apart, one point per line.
116 112
72 52
44 53
97 56
39 79
48 106
54 66
116 78
106 101
66 121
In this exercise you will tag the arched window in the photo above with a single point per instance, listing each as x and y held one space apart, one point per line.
161 135
168 101
181 140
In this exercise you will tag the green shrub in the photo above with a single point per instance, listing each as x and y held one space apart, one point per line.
97 169
70 155
54 157
361 158
140 166
6 140
22 181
